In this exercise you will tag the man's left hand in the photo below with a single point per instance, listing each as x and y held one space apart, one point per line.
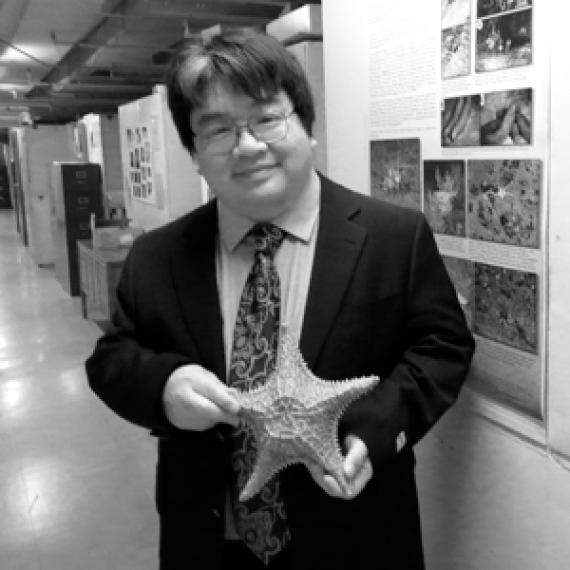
357 470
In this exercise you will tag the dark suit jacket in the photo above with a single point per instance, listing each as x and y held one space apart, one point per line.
380 302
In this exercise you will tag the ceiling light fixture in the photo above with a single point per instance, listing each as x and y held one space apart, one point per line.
17 54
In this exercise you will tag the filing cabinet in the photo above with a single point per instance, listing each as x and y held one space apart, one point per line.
76 193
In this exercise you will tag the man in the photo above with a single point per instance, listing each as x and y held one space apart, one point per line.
358 283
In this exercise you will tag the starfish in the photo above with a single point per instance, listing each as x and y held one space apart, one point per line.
294 417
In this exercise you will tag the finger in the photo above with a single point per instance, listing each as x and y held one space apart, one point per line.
361 479
210 387
356 455
206 409
325 481
331 486
200 413
228 417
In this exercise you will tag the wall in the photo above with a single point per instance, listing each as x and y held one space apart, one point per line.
310 54
175 179
104 148
42 146
490 498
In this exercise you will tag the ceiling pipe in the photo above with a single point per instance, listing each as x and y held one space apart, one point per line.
77 57
12 14
94 87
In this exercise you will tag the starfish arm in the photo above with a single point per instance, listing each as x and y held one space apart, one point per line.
271 460
343 391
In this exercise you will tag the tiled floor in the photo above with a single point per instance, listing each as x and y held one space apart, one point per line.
76 482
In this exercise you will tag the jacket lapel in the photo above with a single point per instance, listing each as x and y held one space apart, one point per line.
338 248
193 269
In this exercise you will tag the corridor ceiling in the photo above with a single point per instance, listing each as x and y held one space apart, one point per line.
61 59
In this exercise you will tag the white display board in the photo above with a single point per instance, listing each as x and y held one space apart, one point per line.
559 241
431 87
160 180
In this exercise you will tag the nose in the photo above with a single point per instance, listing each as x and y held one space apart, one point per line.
246 141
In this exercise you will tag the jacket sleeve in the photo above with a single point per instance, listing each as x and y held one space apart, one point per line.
124 371
434 361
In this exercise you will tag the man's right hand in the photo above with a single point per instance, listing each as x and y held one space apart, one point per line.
195 399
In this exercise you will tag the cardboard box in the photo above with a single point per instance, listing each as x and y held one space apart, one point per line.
302 24
113 234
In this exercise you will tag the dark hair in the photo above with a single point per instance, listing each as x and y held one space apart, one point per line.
252 63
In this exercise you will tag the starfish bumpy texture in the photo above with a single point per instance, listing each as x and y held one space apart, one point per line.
295 416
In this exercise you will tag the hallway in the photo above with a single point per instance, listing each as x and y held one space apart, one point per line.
76 482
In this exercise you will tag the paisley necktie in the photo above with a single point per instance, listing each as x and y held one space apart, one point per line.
261 521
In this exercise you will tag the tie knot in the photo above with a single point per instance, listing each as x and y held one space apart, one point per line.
267 238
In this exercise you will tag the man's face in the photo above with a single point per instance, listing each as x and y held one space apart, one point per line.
255 179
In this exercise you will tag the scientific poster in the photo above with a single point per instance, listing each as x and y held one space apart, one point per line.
140 171
478 111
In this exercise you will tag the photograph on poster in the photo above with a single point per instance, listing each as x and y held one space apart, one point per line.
504 41
395 171
461 272
140 162
455 38
444 196
461 121
506 306
488 119
456 51
504 201
490 7
454 12
506 117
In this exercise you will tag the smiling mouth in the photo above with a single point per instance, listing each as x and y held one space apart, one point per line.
254 170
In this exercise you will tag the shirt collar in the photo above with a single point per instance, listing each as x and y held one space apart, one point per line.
298 222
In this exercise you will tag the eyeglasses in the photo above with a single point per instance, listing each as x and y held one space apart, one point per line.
221 137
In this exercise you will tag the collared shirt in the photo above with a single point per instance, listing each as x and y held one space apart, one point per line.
293 262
